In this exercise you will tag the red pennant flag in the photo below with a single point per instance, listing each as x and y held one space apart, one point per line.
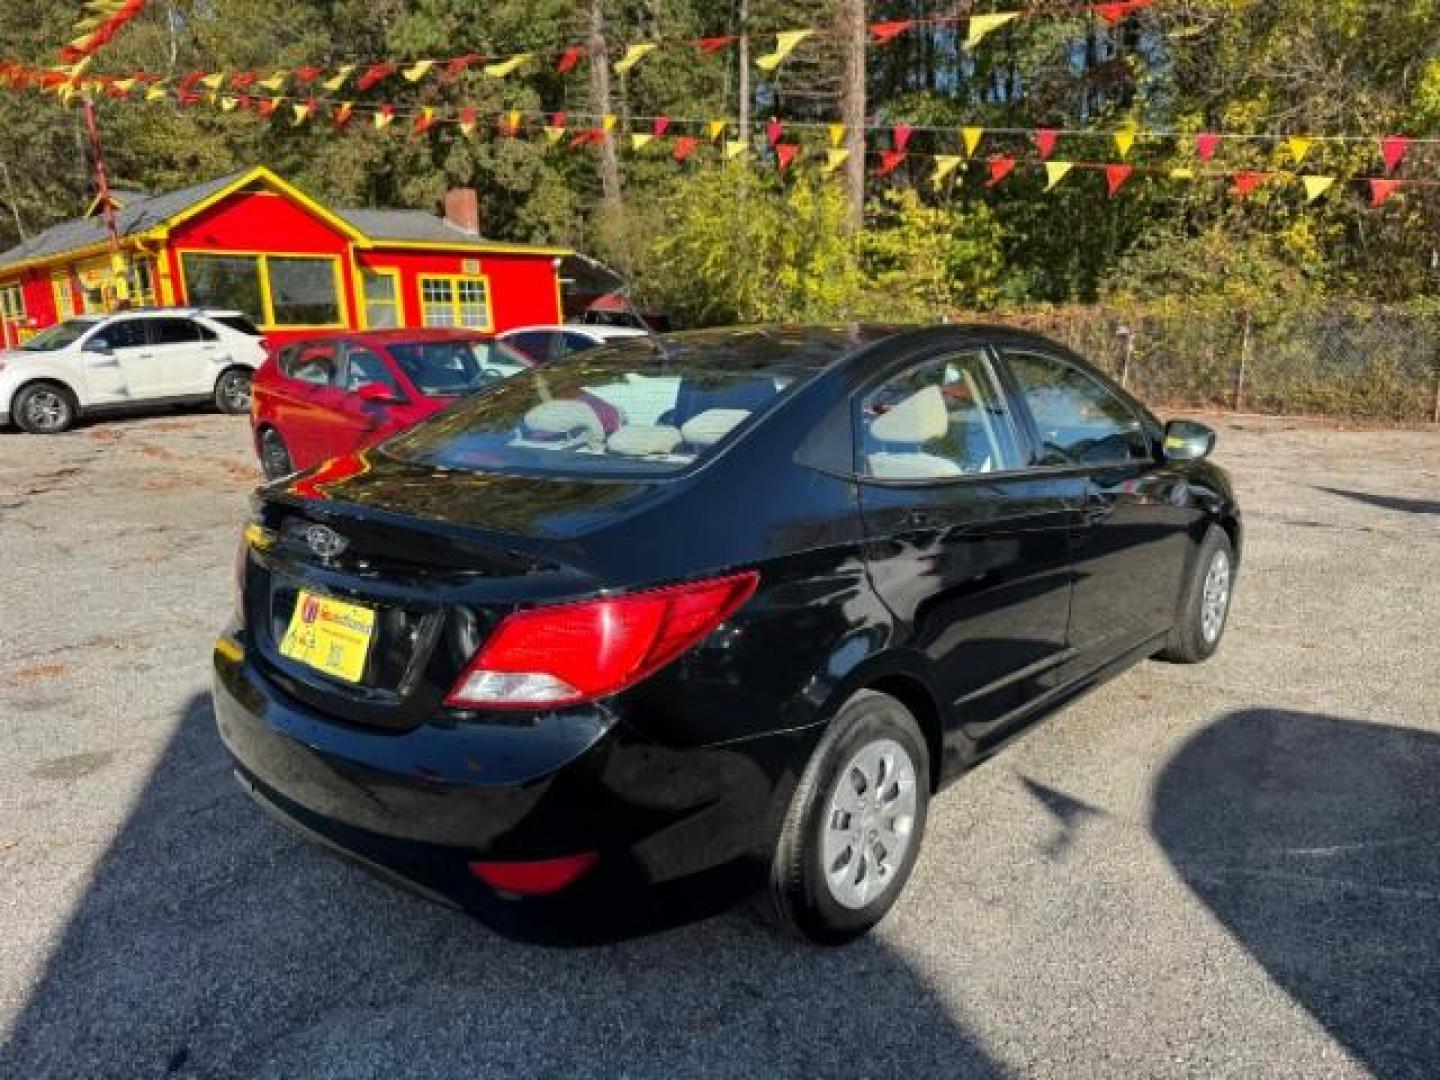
342 114
773 130
685 146
424 121
455 68
1045 140
1380 190
468 117
1246 183
569 58
590 135
889 161
375 74
1113 13
1115 178
387 111
268 106
785 153
243 80
244 101
1206 143
886 31
660 126
1000 168
306 75
901 136
714 44
558 119
1393 149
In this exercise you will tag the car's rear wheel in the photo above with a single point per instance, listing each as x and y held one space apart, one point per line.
274 455
232 391
44 408
1205 606
855 823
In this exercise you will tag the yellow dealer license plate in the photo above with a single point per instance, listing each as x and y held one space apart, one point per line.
329 635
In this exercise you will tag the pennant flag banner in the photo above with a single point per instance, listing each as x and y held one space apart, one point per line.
569 58
469 120
660 126
1299 147
302 112
1393 151
97 30
607 122
1381 190
506 67
1124 142
343 114
424 121
834 159
338 80
773 130
889 161
983 25
1055 171
836 133
1182 173
900 136
685 146
734 148
1000 168
971 136
385 117
784 45
1045 140
633 55
1315 186
640 139
785 154
417 71
883 32
1113 13
715 128
275 83
714 44
1116 177
945 164
1206 143
554 133
1246 183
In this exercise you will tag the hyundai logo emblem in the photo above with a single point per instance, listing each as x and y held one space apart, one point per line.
325 541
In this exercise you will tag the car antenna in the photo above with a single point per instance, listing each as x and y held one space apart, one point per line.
654 337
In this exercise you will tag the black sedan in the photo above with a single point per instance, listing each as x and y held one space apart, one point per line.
739 599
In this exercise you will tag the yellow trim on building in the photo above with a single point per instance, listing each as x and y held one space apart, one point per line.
261 173
474 247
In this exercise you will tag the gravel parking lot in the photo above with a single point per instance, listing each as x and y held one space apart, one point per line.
1232 869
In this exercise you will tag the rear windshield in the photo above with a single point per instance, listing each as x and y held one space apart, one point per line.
238 323
631 408
450 368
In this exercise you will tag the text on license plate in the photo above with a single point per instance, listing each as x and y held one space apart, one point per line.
329 635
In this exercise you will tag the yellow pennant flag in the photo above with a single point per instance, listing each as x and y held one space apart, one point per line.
784 45
155 93
837 134
971 137
501 68
633 55
554 134
1182 174
512 121
607 122
833 160
1055 171
715 128
302 113
981 25
1299 147
1124 141
338 79
275 82
638 139
734 148
945 164
124 85
1315 186
214 81
418 70
383 120
228 103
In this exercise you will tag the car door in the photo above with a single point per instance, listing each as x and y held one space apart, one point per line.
965 545
115 361
1131 548
307 414
186 353
361 422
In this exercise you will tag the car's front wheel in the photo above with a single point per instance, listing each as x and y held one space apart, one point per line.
1205 607
855 822
232 391
44 408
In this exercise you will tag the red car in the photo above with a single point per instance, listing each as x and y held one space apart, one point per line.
326 396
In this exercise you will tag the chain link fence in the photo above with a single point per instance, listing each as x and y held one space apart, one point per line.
1341 359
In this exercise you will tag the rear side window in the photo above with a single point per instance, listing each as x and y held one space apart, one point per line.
1080 420
942 419
535 344
452 368
314 364
177 332
121 334
239 323
625 409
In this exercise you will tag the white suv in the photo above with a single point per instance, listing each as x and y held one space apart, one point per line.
94 363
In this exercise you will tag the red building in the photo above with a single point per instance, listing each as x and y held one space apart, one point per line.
254 242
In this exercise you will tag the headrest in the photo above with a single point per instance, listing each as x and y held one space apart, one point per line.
561 424
712 425
913 420
644 440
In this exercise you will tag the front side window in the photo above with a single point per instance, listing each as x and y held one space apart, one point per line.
451 368
939 420
1080 420
455 301
120 334
624 410
59 336
363 367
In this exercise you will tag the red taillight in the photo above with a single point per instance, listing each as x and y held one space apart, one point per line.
570 653
538 878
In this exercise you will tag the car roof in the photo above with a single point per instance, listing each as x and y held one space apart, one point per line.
592 330
419 333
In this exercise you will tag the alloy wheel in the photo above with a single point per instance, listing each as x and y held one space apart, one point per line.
47 410
868 826
235 392
1215 597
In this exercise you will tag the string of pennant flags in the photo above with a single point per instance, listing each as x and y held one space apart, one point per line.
771 50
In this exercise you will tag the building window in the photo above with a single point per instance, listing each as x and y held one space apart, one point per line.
64 296
382 298
456 301
12 303
274 290
142 283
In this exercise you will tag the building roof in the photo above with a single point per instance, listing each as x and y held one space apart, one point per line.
137 215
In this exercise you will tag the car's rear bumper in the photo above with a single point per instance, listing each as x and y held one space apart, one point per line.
427 802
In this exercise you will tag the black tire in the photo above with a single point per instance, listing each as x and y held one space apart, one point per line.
802 898
1198 627
232 391
44 408
274 455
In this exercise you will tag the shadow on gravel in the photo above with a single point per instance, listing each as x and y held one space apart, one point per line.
213 943
1388 502
1316 842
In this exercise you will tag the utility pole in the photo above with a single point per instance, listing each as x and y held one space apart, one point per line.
107 206
742 18
852 32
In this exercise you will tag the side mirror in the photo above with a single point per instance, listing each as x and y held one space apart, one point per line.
1185 440
376 393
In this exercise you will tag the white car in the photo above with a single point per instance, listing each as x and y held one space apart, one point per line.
93 363
545 344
